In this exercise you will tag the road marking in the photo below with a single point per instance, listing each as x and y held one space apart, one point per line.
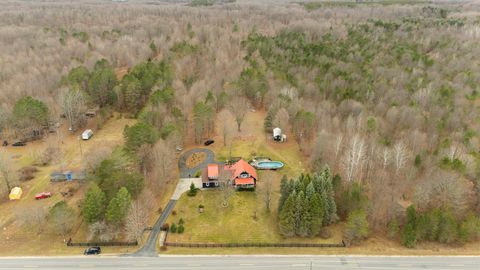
404 265
456 265
194 264
298 264
30 266
247 264
86 265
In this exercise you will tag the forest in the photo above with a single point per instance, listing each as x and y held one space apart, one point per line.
382 98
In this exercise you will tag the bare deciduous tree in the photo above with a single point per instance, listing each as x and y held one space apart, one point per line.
400 156
137 217
239 107
267 190
73 105
7 172
32 217
281 119
353 158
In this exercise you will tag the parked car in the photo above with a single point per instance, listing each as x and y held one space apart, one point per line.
92 251
208 142
43 195
19 143
87 134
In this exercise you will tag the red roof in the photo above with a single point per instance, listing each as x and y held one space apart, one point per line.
244 181
242 166
212 170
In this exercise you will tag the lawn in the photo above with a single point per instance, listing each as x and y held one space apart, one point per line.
253 141
246 218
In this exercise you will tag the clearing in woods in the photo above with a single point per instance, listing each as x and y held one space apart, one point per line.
39 239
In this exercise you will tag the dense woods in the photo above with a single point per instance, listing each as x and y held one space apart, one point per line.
386 95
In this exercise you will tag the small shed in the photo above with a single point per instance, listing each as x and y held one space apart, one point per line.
277 134
15 194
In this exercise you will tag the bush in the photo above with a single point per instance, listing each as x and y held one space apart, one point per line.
193 190
180 229
198 173
174 213
469 230
163 248
392 229
357 227
181 221
325 233
27 173
165 227
173 228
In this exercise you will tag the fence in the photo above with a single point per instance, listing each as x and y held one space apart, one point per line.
230 245
103 244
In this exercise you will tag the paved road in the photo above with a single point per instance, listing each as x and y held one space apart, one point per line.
243 262
186 172
149 249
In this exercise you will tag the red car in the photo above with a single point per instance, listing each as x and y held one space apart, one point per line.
43 195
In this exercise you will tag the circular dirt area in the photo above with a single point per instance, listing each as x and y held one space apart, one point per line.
195 159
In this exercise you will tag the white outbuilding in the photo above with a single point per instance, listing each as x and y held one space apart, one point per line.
277 134
87 134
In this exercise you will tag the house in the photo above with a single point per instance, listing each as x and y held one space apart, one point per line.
240 174
210 175
243 175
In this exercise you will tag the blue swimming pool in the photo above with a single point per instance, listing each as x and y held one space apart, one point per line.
268 165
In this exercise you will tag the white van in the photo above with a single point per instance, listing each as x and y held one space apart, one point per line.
87 134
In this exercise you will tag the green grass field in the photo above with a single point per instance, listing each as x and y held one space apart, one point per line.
244 220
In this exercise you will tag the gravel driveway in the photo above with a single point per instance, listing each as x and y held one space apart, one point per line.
186 172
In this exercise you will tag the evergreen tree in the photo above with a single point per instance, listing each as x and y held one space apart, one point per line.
287 217
284 192
305 219
299 213
447 231
409 234
94 204
28 111
316 210
118 207
409 238
331 206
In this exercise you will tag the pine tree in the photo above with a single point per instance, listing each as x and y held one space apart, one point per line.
298 212
284 192
316 210
94 204
304 219
409 234
409 238
330 206
118 207
287 217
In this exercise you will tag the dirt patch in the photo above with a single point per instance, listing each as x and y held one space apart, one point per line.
195 159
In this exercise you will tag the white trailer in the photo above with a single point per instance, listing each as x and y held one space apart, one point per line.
87 134
277 134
